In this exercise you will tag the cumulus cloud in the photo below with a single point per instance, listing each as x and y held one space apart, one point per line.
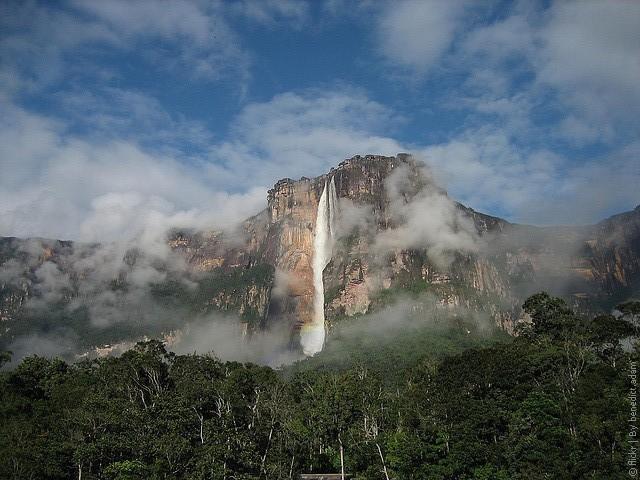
514 36
105 186
415 34
590 51
488 171
542 85
273 12
110 113
140 162
303 133
581 58
35 41
42 45
424 217
205 44
182 36
58 185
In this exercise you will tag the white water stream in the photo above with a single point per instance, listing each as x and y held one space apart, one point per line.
312 335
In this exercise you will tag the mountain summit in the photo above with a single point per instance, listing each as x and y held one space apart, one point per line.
324 250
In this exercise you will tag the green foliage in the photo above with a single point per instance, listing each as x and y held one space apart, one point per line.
551 315
5 357
392 351
234 286
553 404
166 306
126 470
630 308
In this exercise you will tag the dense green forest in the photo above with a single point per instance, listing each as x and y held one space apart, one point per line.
553 402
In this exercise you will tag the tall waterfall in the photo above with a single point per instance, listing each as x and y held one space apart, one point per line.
312 335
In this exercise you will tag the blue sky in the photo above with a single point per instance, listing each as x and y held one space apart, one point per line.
117 115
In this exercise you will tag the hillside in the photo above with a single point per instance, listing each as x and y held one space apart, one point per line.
396 235
551 403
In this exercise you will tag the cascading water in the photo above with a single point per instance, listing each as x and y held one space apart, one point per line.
312 334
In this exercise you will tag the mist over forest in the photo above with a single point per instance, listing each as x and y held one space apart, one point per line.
312 240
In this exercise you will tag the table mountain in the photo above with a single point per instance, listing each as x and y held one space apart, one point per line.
393 234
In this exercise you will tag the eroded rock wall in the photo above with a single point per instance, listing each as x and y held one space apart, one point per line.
263 271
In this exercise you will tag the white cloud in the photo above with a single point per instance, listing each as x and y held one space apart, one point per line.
271 12
513 36
296 134
107 186
595 45
34 42
487 171
61 185
582 58
132 166
541 84
591 54
581 130
429 219
57 185
205 43
44 44
115 113
416 33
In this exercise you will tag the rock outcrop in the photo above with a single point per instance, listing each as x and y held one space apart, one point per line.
593 267
264 271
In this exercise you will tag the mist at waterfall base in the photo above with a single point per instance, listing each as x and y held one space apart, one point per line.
395 338
224 337
312 335
423 219
134 312
215 333
409 328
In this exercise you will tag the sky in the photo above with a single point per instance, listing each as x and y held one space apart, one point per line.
116 116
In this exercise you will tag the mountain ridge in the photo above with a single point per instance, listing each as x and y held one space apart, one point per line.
263 272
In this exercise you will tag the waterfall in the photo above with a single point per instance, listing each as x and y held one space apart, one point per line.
312 335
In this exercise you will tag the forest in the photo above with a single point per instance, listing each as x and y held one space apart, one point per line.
555 401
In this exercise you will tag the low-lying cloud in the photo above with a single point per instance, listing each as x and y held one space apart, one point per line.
424 219
225 337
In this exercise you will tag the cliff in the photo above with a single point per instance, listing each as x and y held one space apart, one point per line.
397 234
593 267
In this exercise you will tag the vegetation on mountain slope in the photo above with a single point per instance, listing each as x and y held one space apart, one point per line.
551 403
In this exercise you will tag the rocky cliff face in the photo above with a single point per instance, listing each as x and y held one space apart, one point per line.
282 236
264 271
593 267
292 210
19 262
612 255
